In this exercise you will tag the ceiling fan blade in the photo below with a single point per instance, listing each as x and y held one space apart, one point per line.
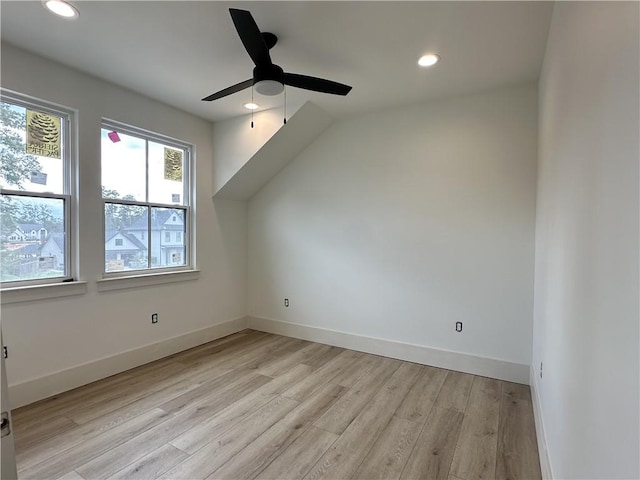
229 90
316 84
251 37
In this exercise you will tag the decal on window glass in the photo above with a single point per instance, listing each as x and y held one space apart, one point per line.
172 164
43 134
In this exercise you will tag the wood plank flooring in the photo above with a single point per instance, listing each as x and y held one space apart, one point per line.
259 406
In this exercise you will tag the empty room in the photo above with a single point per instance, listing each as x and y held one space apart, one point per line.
320 240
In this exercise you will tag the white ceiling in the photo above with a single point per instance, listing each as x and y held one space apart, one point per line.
179 52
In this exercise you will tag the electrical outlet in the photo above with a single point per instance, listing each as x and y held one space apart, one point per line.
540 369
458 327
286 302
5 352
154 318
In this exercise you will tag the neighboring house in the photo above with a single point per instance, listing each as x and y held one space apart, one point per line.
124 250
27 250
52 252
23 251
167 236
28 232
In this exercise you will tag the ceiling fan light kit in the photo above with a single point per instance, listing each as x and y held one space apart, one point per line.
268 78
269 87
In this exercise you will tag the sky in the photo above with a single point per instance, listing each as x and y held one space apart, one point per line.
123 170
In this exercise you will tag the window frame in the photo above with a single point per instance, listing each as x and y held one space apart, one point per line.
69 184
188 195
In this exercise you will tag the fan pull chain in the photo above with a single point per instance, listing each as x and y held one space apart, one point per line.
252 109
285 105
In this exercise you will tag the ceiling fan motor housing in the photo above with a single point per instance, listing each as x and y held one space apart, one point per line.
268 79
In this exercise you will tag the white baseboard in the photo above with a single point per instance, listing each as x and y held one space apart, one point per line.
543 451
461 362
33 390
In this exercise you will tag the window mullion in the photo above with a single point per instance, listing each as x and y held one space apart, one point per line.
149 209
25 193
186 236
186 176
68 262
121 201
146 170
149 234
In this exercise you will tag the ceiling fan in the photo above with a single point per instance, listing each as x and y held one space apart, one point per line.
269 78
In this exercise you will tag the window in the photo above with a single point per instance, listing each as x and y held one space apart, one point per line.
146 194
35 191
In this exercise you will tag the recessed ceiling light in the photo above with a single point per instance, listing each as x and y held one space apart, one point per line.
62 8
251 106
428 60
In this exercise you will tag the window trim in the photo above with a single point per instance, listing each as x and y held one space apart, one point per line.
32 293
187 205
69 185
146 279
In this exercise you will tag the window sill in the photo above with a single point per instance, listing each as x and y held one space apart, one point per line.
146 280
42 292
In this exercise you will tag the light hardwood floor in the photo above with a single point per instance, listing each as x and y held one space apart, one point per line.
256 405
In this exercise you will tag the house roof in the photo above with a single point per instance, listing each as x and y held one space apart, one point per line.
57 238
129 236
27 227
29 249
158 221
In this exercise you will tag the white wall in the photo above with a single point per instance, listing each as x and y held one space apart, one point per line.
399 223
586 327
48 336
247 158
235 142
